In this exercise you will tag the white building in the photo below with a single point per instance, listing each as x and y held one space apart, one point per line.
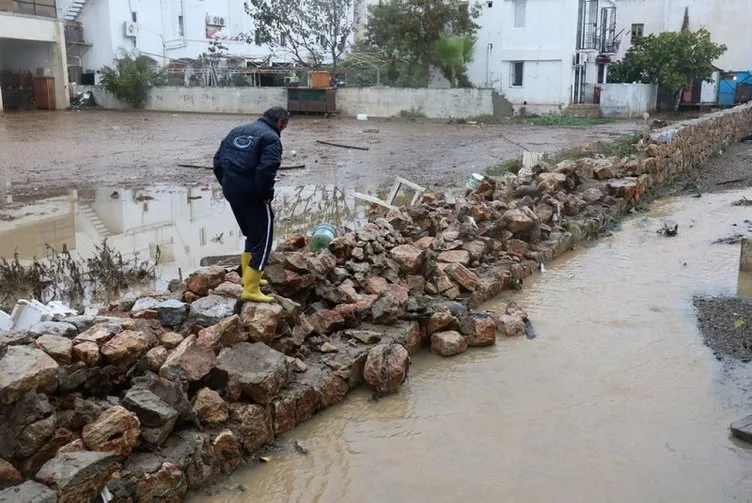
544 55
163 30
727 21
32 44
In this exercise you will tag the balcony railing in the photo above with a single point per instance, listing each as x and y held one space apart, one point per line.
44 8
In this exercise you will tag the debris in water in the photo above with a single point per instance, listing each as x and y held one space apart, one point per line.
299 448
734 239
742 202
529 329
265 459
669 229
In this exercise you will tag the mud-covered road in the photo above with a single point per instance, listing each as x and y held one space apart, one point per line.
45 153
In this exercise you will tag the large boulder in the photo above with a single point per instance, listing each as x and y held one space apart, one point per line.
455 257
261 320
29 491
225 333
100 333
448 343
58 347
228 451
409 257
479 329
205 279
27 427
192 452
9 476
170 391
210 310
253 425
256 369
517 220
116 430
125 347
466 278
156 416
327 321
59 328
78 476
189 362
209 407
26 368
172 312
88 352
386 367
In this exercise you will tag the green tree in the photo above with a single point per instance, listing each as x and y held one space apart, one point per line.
312 31
129 80
670 59
407 32
452 54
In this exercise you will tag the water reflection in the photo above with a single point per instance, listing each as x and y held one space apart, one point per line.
184 223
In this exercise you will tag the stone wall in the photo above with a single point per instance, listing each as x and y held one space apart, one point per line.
155 397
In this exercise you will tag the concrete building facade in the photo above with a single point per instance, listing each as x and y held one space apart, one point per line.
163 30
32 45
544 55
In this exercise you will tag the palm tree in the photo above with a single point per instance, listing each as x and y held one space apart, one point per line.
452 54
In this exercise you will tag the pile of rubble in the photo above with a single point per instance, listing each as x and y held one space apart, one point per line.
161 395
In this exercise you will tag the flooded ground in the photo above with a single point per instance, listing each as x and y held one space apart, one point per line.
182 225
43 153
616 400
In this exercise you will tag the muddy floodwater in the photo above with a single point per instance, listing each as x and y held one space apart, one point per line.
617 399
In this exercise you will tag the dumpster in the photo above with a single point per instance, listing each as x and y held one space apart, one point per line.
308 100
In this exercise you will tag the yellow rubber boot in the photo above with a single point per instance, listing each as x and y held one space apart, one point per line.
252 287
245 261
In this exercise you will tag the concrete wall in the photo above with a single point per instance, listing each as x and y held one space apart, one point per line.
727 21
373 101
624 101
434 103
230 100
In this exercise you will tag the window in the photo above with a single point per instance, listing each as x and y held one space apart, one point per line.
257 37
181 28
134 17
519 13
637 30
489 3
518 69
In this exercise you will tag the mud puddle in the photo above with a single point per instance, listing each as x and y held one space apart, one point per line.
616 400
186 224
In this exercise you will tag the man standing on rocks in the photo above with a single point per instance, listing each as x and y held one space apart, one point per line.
246 165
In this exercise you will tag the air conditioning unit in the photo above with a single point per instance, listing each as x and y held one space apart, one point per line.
130 29
218 21
208 19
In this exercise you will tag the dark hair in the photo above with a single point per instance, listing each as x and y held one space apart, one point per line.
277 114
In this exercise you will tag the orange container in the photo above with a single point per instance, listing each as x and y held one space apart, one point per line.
321 80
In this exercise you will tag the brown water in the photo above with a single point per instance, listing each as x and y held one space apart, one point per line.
617 399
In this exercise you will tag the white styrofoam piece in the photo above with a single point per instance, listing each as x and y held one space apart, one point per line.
6 322
26 314
58 308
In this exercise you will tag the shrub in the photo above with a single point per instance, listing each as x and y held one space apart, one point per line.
129 80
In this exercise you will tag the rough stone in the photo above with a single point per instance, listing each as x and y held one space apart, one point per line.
518 221
145 304
172 312
210 310
88 352
9 476
125 347
49 450
448 343
364 336
59 348
592 195
25 368
551 182
477 249
171 340
167 480
192 452
190 361
209 407
325 321
409 257
455 257
376 285
78 476
205 279
117 430
156 357
386 367
439 321
169 391
742 429
514 309
100 333
223 334
59 328
229 289
261 320
29 491
517 247
256 369
479 329
253 425
228 451
602 171
328 388
152 411
511 325
463 276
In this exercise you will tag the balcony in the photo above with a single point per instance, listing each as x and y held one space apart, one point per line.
42 8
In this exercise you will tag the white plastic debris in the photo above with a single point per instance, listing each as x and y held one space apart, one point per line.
362 117
28 313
